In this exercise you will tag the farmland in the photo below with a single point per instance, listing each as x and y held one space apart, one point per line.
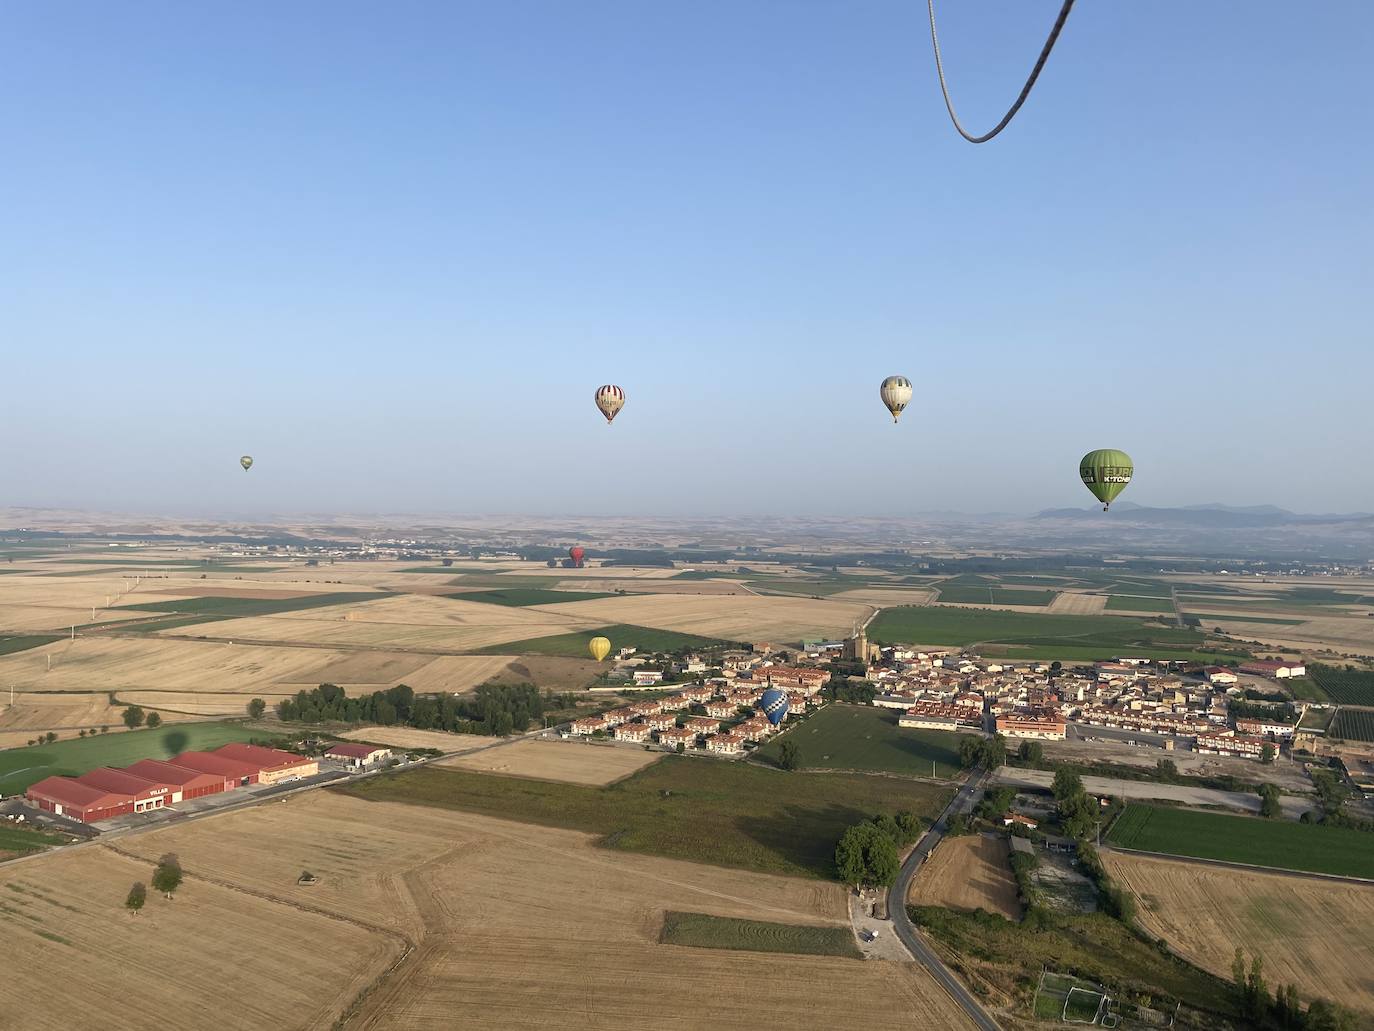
971 871
1128 603
569 762
10 645
1033 635
574 645
962 595
1353 725
865 738
520 597
729 814
16 841
1311 933
483 905
239 606
1245 839
20 767
1349 687
703 931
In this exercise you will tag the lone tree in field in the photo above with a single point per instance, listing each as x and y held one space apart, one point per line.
256 708
138 895
1269 801
133 716
789 756
153 721
167 875
1267 753
866 855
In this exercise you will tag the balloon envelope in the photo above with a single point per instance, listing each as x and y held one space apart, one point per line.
575 553
1106 472
610 399
247 462
774 705
600 647
896 393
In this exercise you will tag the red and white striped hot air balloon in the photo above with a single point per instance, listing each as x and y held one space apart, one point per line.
610 399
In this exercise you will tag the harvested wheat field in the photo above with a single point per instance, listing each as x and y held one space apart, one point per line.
401 622
739 618
885 597
57 712
968 872
1067 604
1311 932
557 673
408 737
457 673
217 956
514 926
573 762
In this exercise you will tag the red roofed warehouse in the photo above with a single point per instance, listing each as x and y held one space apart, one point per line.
236 774
273 765
186 783
74 800
147 794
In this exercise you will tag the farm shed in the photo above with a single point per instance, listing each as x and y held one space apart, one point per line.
273 765
235 773
66 796
147 794
356 754
188 783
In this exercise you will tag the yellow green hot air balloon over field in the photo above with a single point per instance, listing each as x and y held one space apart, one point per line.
247 462
1106 473
600 647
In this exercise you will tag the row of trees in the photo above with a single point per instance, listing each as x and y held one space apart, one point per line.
497 709
166 879
135 717
867 853
1284 1010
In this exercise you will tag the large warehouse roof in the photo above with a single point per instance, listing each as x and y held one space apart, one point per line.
211 762
107 779
169 773
71 792
261 758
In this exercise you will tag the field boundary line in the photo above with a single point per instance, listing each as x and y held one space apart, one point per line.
1233 865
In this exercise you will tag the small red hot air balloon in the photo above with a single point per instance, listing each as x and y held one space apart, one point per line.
575 553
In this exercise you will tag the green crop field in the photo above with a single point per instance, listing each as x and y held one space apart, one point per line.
1141 588
724 813
1347 686
1035 635
702 931
960 595
519 597
1353 725
232 607
19 840
621 635
20 767
1245 839
1130 603
23 642
863 737
1216 617
805 588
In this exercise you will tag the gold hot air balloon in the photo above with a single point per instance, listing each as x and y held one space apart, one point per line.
896 393
610 399
600 647
247 462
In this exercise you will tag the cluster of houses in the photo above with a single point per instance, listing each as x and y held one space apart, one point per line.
724 729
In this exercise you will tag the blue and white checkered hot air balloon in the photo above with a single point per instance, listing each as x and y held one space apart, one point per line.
774 705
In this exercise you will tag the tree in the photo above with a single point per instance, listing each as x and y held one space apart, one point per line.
789 755
167 875
1267 752
1166 769
1067 784
1269 801
256 708
80 733
51 736
866 855
1032 752
910 826
154 721
138 895
681 748
133 716
970 751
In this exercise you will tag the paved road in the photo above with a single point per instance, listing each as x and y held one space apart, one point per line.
964 800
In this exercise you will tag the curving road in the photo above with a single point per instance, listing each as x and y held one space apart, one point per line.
962 802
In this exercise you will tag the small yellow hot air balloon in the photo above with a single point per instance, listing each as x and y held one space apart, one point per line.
600 647
247 462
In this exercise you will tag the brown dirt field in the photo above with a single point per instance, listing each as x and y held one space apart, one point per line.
214 957
365 668
740 618
54 712
408 737
885 597
1066 604
968 872
1311 932
568 761
520 926
457 673
550 672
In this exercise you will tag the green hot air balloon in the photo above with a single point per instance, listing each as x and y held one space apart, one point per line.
1106 473
247 462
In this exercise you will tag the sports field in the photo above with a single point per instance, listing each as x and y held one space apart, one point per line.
1032 635
1245 839
726 813
704 931
1312 933
20 767
862 737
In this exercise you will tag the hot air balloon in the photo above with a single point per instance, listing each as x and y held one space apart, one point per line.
1106 473
610 399
575 553
600 647
247 462
895 392
774 705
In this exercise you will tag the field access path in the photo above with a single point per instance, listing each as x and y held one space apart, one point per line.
962 802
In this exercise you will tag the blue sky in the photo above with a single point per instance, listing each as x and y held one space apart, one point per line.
392 249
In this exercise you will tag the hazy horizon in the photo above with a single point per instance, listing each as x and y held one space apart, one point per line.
392 254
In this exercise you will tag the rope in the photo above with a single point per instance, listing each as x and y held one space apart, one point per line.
1025 90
